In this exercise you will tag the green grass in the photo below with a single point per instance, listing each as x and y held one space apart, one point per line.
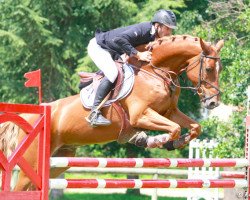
94 175
114 176
78 196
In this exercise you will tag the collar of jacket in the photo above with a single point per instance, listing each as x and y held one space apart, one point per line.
152 32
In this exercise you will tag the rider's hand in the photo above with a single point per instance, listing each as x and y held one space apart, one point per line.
144 56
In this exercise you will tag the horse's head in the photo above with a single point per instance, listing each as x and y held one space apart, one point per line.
173 55
203 71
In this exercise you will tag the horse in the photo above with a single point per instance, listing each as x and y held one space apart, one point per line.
151 105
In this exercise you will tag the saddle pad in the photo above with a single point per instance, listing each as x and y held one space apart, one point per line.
87 94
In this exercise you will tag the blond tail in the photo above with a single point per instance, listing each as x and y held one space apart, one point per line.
8 139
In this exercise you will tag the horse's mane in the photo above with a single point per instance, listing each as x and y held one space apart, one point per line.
173 39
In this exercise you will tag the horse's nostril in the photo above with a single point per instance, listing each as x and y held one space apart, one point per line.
212 104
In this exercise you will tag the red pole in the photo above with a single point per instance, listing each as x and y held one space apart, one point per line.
40 94
45 156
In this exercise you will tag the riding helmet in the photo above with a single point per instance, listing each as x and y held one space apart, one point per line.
166 17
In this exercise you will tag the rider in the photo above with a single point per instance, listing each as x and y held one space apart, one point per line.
106 47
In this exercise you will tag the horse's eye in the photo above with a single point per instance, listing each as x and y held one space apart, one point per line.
209 69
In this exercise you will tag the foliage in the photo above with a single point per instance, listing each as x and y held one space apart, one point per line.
151 6
229 135
51 35
28 44
230 20
113 150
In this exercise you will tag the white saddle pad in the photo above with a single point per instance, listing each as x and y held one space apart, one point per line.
87 94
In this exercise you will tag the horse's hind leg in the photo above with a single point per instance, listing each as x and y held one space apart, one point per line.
64 151
23 182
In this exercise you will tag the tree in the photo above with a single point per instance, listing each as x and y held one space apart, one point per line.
230 20
51 35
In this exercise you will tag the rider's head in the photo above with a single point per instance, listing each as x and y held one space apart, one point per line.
164 21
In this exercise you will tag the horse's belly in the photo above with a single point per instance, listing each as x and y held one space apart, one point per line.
79 131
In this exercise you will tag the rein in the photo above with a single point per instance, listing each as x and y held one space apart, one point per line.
201 80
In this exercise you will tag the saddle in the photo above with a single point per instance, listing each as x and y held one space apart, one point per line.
96 77
122 86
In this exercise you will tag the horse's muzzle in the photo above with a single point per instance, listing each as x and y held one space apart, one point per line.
211 103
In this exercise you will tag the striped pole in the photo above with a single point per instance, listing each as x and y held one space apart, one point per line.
145 162
175 172
137 183
232 175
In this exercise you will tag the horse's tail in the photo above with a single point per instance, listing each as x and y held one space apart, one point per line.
8 137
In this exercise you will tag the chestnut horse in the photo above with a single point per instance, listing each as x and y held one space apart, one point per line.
151 105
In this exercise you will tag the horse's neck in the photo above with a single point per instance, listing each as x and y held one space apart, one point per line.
172 53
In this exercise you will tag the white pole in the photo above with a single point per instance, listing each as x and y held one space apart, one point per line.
154 193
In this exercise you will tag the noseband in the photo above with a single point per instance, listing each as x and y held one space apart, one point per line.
201 79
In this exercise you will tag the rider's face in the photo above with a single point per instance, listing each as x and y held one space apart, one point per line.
164 31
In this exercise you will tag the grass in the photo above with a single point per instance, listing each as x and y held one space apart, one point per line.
115 176
94 175
77 196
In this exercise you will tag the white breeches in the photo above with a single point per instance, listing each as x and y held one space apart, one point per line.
103 60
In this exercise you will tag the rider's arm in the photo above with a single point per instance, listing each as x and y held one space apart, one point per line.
128 39
123 41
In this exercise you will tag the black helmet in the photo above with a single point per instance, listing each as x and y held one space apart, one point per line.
166 17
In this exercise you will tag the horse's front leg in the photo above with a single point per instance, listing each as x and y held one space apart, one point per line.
186 122
151 120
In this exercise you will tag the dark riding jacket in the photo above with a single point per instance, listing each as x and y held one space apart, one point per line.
124 40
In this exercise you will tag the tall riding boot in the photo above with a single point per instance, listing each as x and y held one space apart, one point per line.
95 118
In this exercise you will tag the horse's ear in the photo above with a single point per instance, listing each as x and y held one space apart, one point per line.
219 45
206 48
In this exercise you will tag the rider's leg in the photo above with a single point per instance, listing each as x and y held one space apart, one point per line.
95 116
104 62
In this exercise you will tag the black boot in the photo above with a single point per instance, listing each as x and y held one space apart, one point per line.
95 118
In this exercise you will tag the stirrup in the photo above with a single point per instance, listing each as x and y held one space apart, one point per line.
90 118
96 115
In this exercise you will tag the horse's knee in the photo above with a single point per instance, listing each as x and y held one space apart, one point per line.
175 132
197 128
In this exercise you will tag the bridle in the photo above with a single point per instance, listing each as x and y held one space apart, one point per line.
201 79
